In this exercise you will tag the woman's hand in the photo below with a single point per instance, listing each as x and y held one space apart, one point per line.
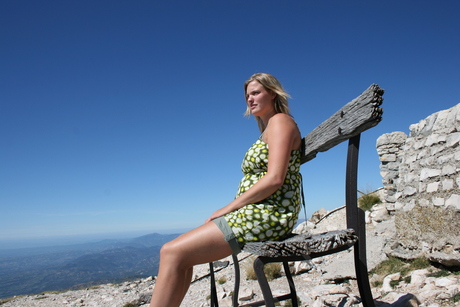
215 215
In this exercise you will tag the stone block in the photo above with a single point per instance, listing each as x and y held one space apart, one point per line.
409 159
429 173
438 201
447 184
446 119
414 128
432 187
453 139
448 169
434 139
427 129
388 158
406 147
408 190
418 144
429 161
445 158
436 149
393 166
454 201
423 154
410 177
397 137
422 187
424 202
457 155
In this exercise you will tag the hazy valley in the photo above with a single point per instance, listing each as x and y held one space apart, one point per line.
34 270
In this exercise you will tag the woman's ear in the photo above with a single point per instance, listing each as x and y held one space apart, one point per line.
273 94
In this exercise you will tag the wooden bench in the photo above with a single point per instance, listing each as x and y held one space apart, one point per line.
355 117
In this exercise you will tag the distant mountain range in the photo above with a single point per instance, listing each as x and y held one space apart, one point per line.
35 270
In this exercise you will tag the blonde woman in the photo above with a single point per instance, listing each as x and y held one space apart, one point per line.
267 203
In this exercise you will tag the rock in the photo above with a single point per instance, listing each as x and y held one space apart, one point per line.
318 215
379 213
246 294
388 279
333 299
302 267
340 289
304 227
444 282
226 302
450 260
418 278
319 302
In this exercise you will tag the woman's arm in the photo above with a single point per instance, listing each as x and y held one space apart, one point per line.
282 136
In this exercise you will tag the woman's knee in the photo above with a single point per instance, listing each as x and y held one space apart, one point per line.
167 250
172 252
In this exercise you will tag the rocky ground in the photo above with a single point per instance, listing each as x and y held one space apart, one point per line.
327 281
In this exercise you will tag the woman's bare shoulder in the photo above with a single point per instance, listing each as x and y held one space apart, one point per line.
282 119
282 126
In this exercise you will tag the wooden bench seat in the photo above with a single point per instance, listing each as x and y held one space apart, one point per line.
304 245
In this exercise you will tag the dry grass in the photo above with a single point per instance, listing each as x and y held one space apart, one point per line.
271 270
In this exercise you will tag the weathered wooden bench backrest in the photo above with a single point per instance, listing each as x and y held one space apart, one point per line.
355 117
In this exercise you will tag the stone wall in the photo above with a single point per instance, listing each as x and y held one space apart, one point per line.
421 179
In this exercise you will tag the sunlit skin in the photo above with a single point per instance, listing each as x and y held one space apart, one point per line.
206 243
260 101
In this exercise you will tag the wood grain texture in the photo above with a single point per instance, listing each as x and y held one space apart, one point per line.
355 117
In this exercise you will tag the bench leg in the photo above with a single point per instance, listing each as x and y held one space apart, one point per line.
269 300
363 282
214 302
263 283
259 264
356 220
236 289
293 294
362 276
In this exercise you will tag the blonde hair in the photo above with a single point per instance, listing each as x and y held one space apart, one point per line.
271 84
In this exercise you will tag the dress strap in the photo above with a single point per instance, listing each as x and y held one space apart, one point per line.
302 200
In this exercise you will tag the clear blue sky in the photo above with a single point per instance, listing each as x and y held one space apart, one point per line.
126 116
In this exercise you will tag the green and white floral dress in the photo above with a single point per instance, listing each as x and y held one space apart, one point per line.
274 217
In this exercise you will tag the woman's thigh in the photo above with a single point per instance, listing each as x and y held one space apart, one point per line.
203 244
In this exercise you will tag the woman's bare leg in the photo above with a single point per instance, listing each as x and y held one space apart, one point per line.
187 281
177 258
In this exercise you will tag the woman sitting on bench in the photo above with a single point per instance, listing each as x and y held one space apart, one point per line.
267 203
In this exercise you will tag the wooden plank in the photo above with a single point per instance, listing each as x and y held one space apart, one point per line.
355 117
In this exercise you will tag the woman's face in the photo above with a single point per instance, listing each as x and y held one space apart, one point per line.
259 100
